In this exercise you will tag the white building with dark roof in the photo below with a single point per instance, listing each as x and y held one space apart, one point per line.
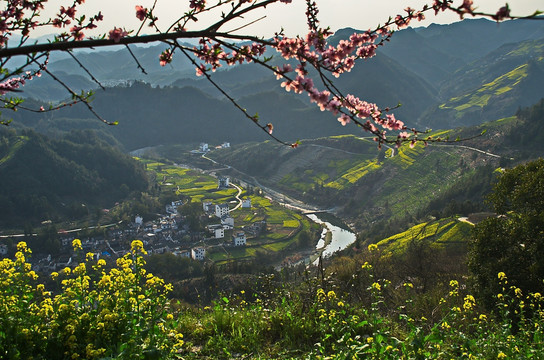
221 210
239 239
198 253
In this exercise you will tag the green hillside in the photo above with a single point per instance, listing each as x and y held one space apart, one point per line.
44 178
439 234
492 87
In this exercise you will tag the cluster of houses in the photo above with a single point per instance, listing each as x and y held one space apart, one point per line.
226 223
167 234
205 147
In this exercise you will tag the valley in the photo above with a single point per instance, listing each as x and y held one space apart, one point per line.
186 227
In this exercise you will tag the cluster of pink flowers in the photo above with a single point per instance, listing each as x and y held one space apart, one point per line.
15 82
198 5
165 57
215 55
67 15
116 34
13 17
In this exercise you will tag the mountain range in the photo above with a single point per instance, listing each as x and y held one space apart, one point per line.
443 75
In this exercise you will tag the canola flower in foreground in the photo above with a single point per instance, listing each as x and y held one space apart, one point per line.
122 313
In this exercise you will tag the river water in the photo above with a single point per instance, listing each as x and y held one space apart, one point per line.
341 238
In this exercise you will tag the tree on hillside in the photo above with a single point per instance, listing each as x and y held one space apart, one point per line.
310 63
513 241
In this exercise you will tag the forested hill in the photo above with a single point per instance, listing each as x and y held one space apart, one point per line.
44 178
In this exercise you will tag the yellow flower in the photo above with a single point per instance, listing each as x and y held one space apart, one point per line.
137 246
376 286
469 302
22 247
169 317
408 285
80 269
501 276
331 295
372 247
517 291
101 262
54 275
501 355
340 304
366 265
76 244
454 283
369 340
483 317
89 256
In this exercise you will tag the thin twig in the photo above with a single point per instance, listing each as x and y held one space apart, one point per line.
265 128
136 60
86 70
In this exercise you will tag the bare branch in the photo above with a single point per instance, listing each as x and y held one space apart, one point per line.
85 69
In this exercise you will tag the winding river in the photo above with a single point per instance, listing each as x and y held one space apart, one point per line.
341 238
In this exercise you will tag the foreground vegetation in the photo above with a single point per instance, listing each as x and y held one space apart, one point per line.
124 313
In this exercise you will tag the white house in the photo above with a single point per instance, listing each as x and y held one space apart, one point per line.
225 145
221 210
219 233
198 253
239 239
204 147
246 203
139 220
223 182
217 230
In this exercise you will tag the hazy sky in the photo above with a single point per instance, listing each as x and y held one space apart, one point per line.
359 14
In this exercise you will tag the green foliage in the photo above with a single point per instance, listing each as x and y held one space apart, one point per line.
314 321
512 241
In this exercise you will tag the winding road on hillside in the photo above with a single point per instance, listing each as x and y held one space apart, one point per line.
473 149
282 199
237 197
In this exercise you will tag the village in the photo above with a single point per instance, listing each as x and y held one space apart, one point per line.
169 233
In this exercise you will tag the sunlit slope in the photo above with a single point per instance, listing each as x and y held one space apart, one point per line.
352 175
438 234
491 88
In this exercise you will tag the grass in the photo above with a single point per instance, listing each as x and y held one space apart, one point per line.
481 97
352 175
271 319
441 234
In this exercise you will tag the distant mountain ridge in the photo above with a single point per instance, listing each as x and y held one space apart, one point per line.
443 75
